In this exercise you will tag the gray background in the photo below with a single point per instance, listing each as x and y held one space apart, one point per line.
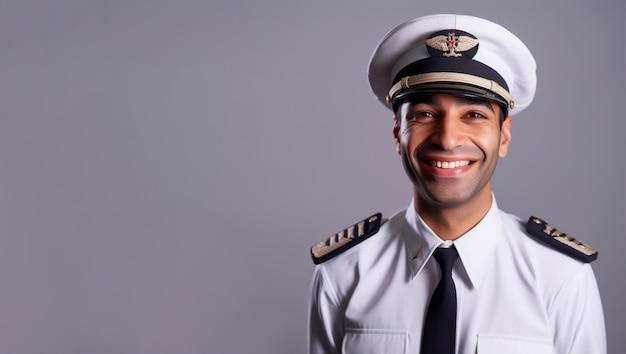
165 166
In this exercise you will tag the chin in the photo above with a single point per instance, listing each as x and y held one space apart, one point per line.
444 197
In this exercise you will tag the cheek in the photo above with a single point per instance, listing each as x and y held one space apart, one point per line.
489 141
410 138
406 144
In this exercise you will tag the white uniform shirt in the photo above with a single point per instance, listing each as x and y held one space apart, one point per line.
514 294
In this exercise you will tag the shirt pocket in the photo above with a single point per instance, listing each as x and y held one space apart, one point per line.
374 341
502 344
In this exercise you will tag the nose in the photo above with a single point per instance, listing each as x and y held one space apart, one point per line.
447 133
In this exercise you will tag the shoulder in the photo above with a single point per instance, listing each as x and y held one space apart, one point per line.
542 235
375 229
346 238
559 240
554 270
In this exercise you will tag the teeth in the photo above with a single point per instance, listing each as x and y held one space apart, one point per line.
449 164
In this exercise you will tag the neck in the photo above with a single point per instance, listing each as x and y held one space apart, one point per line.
450 222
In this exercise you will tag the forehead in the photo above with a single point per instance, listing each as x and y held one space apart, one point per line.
442 100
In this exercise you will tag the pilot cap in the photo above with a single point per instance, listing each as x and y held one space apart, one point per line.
456 54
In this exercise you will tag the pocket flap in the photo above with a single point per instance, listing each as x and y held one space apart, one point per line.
501 344
374 341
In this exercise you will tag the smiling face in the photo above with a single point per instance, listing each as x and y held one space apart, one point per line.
450 147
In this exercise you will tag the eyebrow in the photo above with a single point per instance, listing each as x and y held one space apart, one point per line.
467 101
461 101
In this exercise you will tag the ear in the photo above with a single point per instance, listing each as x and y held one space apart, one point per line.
505 137
396 132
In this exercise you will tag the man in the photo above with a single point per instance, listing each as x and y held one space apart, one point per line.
452 273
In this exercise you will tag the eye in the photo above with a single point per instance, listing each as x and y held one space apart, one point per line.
475 115
419 115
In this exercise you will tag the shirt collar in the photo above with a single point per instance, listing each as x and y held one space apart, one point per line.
475 247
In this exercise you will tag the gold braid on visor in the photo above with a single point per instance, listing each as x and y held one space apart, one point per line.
450 78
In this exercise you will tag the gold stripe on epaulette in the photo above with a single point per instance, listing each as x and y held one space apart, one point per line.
565 239
576 244
338 240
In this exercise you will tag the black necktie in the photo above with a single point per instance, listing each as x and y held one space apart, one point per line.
439 335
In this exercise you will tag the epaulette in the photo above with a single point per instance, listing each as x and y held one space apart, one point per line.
560 240
346 239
